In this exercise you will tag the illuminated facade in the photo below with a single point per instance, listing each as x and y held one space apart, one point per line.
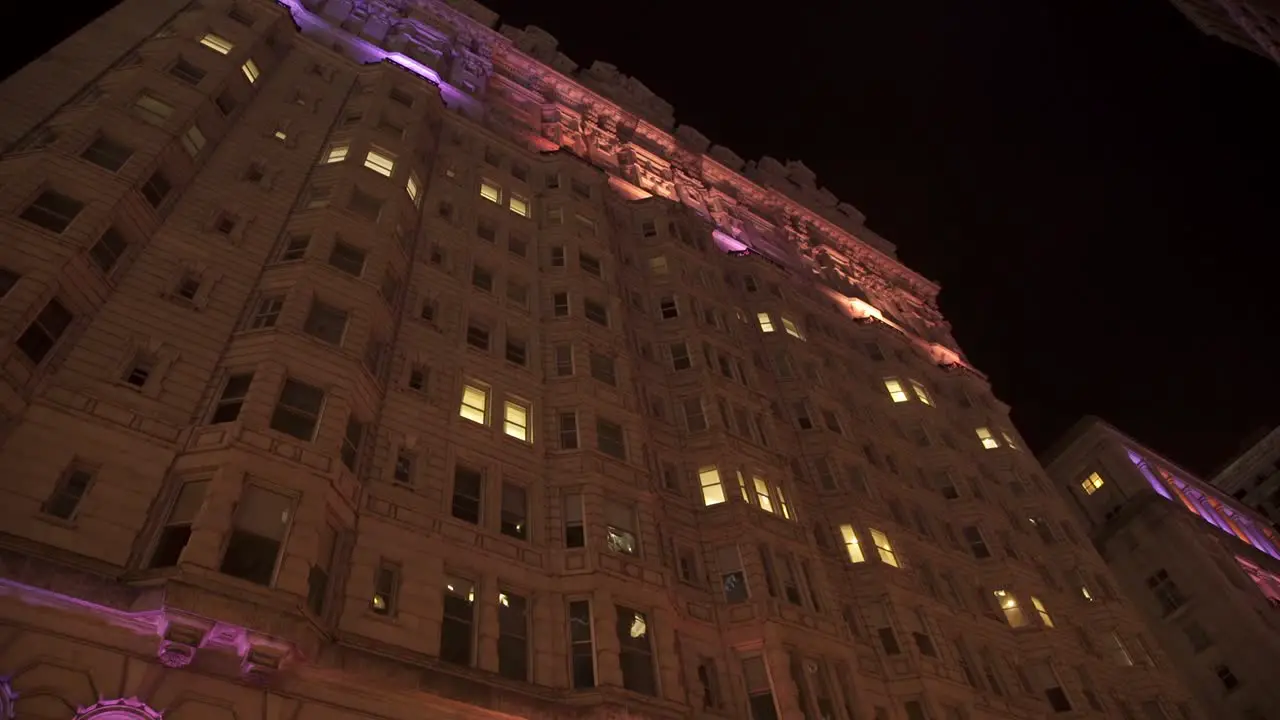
1253 478
1203 568
361 360
1251 24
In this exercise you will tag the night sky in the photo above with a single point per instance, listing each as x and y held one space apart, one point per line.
1092 182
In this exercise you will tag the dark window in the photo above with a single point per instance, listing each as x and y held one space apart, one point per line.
229 403
610 439
515 511
352 440
8 278
177 527
156 189
106 252
635 651
326 322
42 334
261 521
386 589
52 211
582 651
298 411
456 628
107 153
65 499
347 258
467 494
513 636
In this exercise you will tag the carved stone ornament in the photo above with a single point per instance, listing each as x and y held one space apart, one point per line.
119 709
8 697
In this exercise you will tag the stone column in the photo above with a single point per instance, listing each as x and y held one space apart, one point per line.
604 618
486 615
548 629
667 654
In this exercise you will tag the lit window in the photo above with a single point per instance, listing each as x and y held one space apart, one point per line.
193 141
988 440
921 394
658 265
280 134
1042 612
791 328
153 109
250 70
490 192
380 161
783 506
216 43
1008 440
766 325
884 548
518 205
894 386
335 154
762 493
475 404
712 489
413 186
1009 605
515 420
1092 483
851 544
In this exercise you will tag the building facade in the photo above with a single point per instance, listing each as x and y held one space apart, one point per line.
1203 569
1253 478
362 360
1251 24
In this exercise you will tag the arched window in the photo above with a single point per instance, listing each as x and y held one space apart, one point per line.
118 709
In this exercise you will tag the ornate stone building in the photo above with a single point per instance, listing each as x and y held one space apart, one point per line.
1251 24
361 360
1202 567
1253 477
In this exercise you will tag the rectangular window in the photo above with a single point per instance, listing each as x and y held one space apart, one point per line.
763 498
217 43
766 324
261 521
513 636
326 322
152 109
635 651
177 527
791 328
386 589
234 391
620 531
457 627
557 256
413 187
365 205
560 304
1092 484
514 521
896 392
481 278
250 70
563 360
321 571
478 335
733 579
107 153
490 191
352 440
468 489
712 487
518 205
610 439
347 258
977 545
515 420
187 72
668 308
335 154
575 535
1008 603
380 161
921 393
596 312
475 404
298 410
680 358
603 368
884 549
582 653
589 263
52 211
567 429
987 439
266 312
851 544
67 494
1045 619
193 141
759 689
43 333
517 351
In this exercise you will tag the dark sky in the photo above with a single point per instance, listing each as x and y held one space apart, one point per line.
1091 181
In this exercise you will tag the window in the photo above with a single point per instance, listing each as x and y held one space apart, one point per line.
467 494
517 351
250 71
226 103
712 487
733 579
107 153
1045 619
803 420
567 429
595 312
987 439
193 142
884 549
1167 593
326 322
187 72
668 309
1008 603
352 439
759 690
894 386
1228 678
575 535
603 368
921 393
766 324
43 333
491 192
262 519
763 498
477 335
589 263
52 211
347 258
386 589
106 252
475 404
365 205
851 544
610 439
297 412
695 417
514 521
563 355
234 391
8 279
481 278
515 420
518 205
977 545
560 304
140 370
177 526
557 256
635 652
335 154
318 196
582 654
791 328
658 265
457 625
402 471
513 636
152 109
579 188
517 292
1092 484
680 359
70 489
266 313
517 244
318 576
380 161
620 528
217 43
413 187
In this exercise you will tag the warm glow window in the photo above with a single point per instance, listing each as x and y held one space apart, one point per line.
250 70
884 548
217 43
851 544
518 205
490 191
987 439
380 161
712 487
1092 484
766 323
475 404
762 494
921 393
896 391
515 420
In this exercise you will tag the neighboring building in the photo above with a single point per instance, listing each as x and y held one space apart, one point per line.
1203 568
1253 478
1251 24
364 361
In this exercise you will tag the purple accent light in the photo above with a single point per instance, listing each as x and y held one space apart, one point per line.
8 699
120 709
1154 481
